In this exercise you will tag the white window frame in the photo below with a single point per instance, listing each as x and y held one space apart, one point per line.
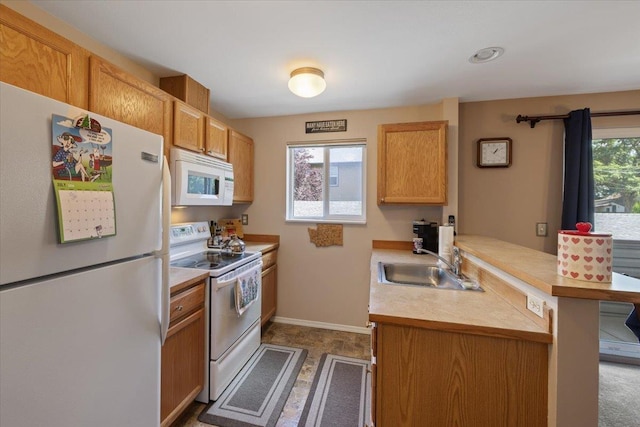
326 217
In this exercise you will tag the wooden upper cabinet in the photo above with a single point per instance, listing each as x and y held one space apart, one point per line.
412 163
240 155
216 135
37 59
188 127
123 97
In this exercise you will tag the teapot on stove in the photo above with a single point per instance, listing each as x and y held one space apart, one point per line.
234 245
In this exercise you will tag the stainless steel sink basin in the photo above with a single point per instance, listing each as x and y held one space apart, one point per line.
426 275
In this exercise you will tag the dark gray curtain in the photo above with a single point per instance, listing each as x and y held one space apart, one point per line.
578 195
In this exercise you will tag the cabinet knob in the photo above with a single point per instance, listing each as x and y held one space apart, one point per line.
179 308
382 200
202 149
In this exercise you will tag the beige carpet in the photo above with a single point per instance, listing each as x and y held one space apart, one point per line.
619 400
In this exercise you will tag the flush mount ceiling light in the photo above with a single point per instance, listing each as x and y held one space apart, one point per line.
307 82
487 54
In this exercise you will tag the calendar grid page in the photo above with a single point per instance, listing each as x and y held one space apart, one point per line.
86 214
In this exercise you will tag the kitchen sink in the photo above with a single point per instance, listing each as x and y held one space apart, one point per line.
426 275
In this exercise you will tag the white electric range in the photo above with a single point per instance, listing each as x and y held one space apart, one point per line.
231 338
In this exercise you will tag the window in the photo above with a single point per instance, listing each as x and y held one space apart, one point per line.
326 182
616 171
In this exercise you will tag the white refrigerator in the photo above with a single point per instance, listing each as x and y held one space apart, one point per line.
81 322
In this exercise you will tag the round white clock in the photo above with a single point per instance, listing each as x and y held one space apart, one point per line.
494 152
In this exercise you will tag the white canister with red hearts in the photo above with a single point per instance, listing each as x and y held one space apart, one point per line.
585 256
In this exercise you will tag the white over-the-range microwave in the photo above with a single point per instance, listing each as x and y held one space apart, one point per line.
198 180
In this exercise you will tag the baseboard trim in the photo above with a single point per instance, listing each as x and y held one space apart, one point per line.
321 325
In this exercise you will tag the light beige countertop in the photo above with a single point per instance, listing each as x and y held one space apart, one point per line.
539 269
480 313
260 246
261 242
180 278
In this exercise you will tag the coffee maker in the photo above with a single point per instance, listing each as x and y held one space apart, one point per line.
428 232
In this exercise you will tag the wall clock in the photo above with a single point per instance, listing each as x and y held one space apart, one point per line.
494 153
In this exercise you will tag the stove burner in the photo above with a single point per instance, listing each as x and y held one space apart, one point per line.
209 260
207 265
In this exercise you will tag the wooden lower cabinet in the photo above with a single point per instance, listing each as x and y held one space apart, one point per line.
374 372
182 359
426 377
269 286
269 293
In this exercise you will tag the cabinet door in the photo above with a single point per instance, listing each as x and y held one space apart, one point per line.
241 156
123 97
374 372
188 127
37 59
452 378
182 366
412 163
269 293
216 135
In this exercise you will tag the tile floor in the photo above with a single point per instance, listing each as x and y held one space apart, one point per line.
316 341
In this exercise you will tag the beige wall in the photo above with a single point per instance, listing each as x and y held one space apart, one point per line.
329 284
507 203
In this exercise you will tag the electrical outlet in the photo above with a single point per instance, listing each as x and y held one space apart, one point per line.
541 229
535 305
245 219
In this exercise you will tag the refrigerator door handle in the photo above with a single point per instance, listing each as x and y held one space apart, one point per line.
166 206
163 253
166 300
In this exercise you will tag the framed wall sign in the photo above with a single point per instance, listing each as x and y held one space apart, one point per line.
494 152
323 126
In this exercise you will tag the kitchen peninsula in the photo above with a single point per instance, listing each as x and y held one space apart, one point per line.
483 355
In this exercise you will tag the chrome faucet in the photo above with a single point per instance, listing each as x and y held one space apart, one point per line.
457 260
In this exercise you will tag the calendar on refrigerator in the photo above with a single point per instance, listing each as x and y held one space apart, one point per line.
82 178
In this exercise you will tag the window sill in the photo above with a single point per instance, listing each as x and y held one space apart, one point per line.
327 221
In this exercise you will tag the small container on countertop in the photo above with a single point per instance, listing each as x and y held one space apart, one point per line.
583 255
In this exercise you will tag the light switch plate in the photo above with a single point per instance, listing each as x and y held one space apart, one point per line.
245 219
541 229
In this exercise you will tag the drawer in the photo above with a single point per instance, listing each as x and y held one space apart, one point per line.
186 302
269 259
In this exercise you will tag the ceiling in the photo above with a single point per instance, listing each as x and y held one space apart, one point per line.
375 54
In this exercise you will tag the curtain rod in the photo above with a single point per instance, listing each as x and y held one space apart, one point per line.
533 120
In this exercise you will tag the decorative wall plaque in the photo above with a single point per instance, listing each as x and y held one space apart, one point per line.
323 126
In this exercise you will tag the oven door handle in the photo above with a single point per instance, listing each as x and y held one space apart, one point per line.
224 284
